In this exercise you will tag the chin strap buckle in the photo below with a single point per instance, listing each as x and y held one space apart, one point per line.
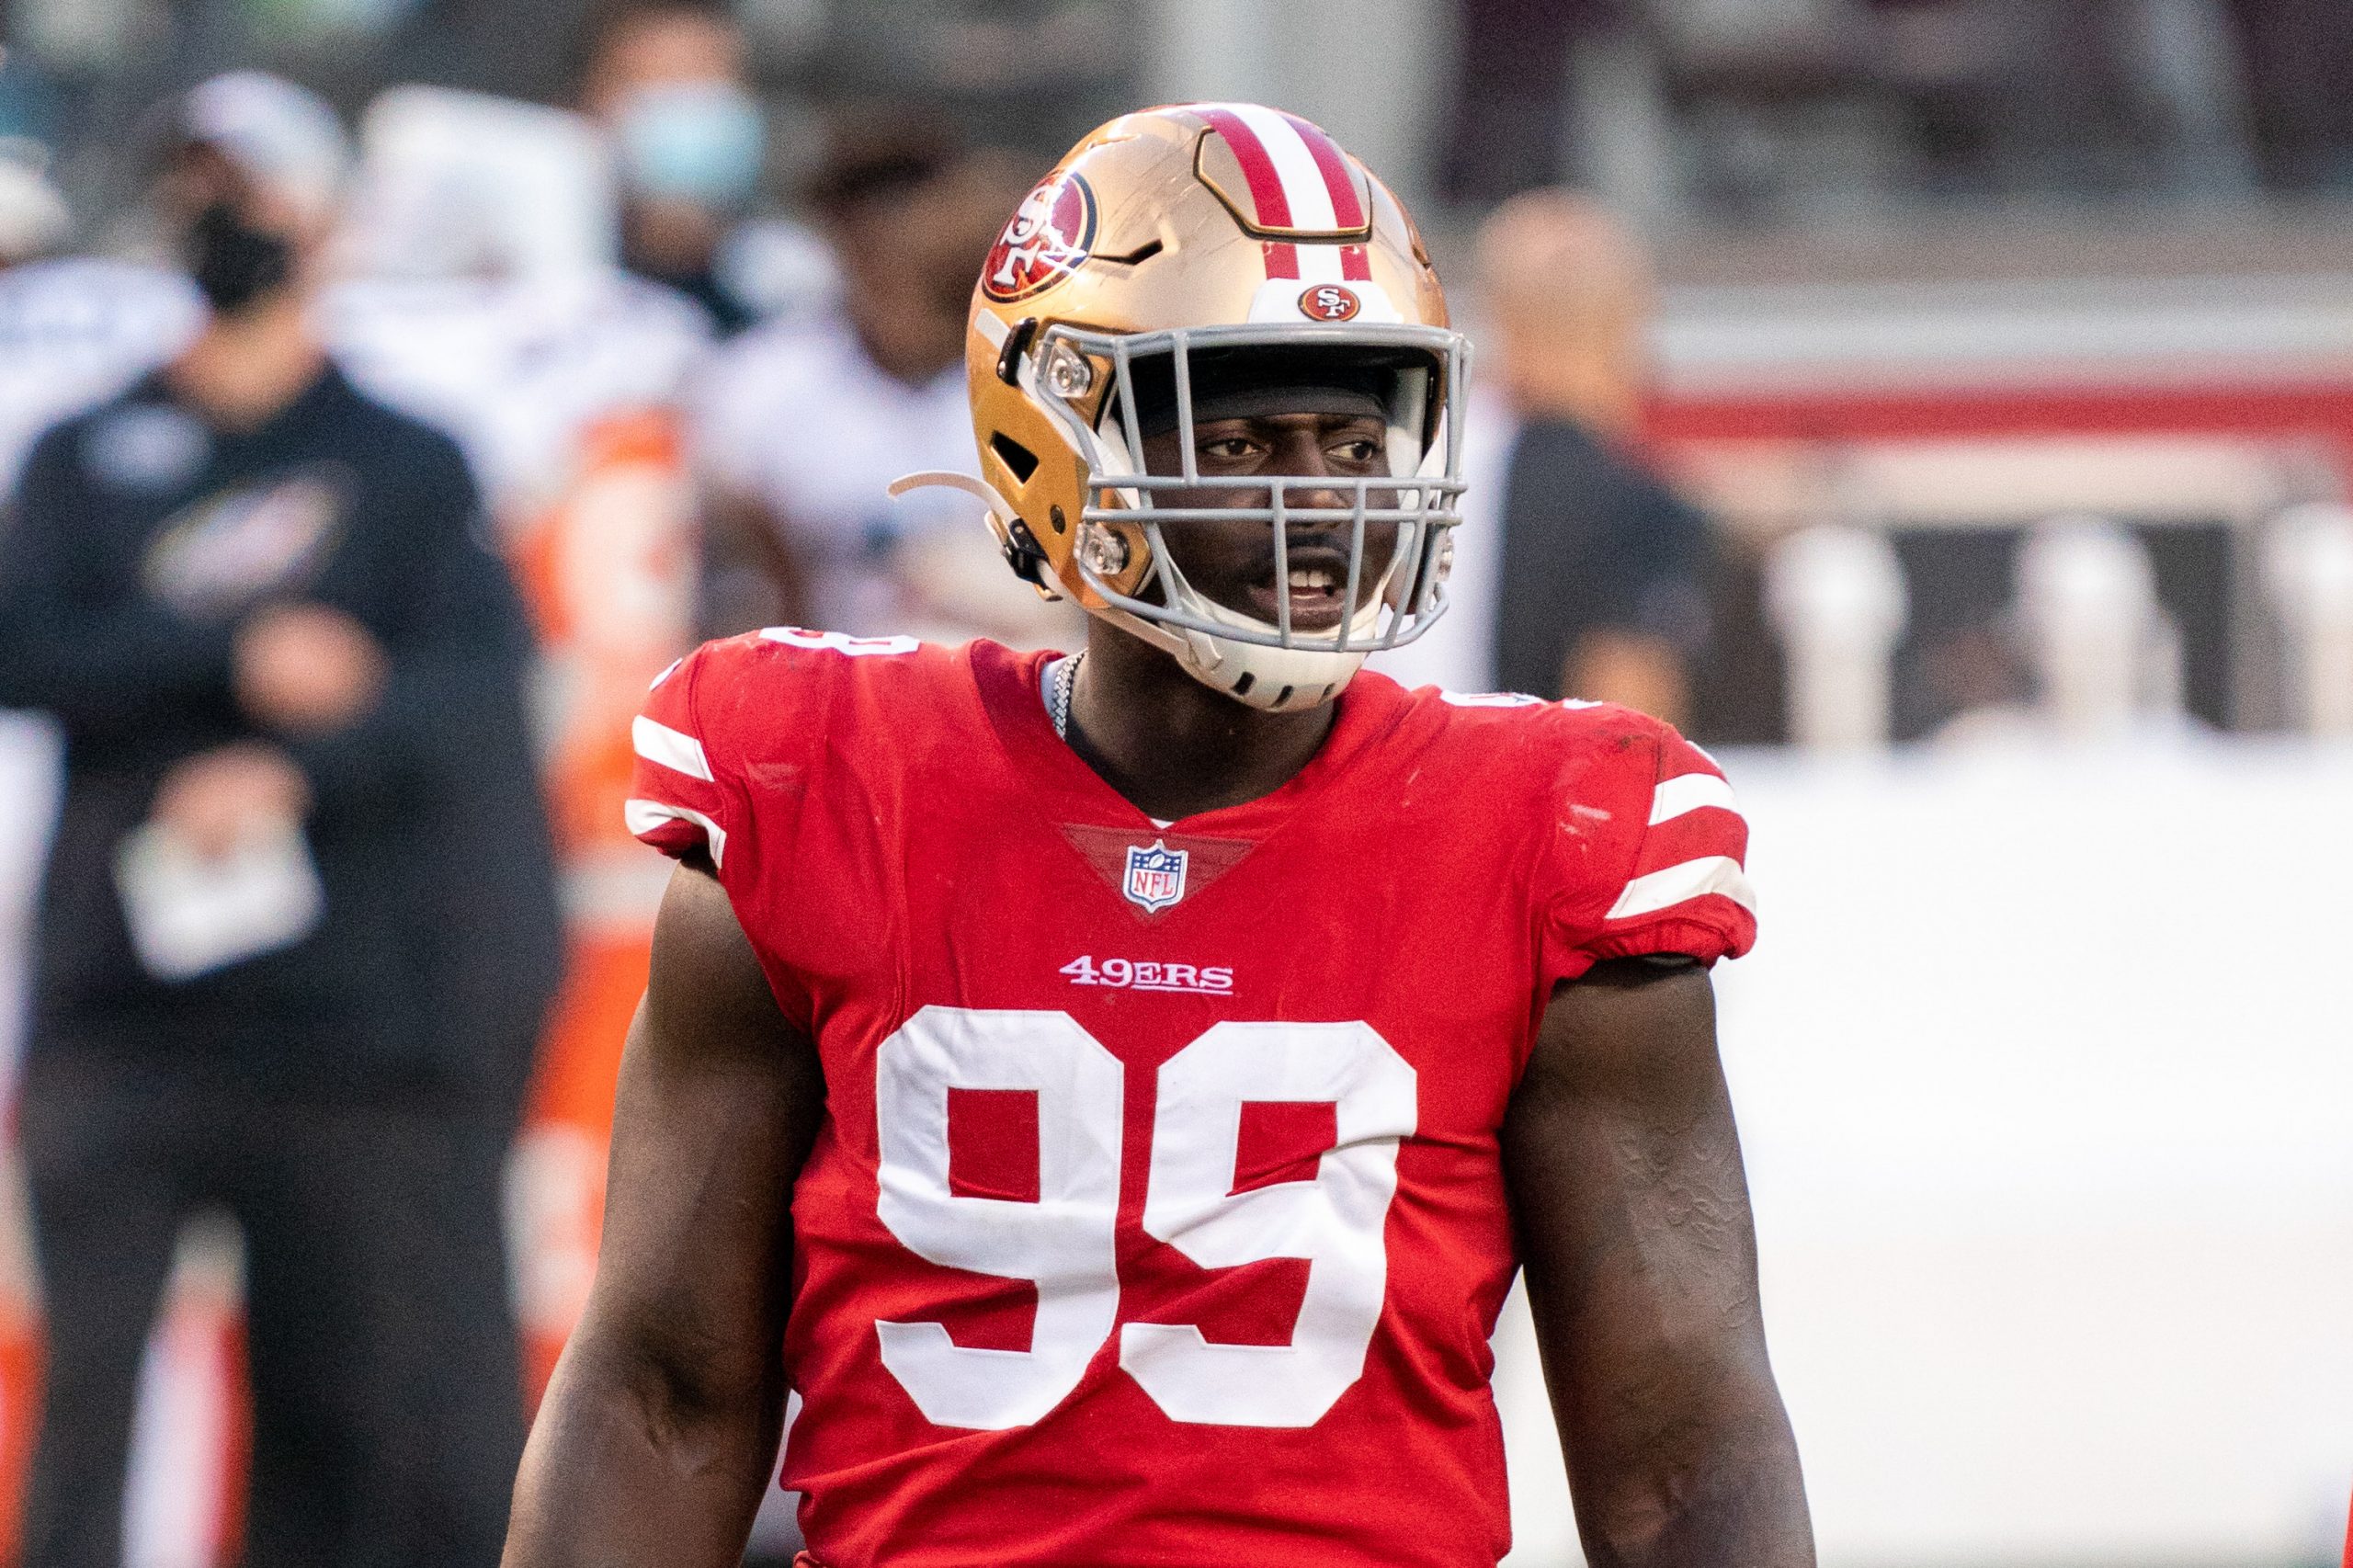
1026 556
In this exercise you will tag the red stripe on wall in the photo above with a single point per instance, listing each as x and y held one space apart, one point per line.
2321 410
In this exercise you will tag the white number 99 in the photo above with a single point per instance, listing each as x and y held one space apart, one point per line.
1064 1241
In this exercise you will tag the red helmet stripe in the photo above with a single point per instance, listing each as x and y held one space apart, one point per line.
1257 166
1347 211
1282 259
1355 265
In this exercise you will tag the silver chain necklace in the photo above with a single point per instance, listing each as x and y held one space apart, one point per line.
1065 681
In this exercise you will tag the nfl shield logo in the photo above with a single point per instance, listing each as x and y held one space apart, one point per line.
1155 876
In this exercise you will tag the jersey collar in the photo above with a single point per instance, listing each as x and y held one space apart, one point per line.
1055 776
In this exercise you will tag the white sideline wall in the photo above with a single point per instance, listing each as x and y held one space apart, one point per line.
2044 1068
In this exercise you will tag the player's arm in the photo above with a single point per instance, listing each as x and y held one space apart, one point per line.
1641 1258
661 1425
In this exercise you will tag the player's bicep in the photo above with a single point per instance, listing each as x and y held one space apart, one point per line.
1632 1209
719 1100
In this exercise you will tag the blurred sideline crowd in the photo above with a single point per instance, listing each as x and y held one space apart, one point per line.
1769 107
355 493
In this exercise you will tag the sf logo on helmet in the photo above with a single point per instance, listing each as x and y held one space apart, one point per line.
1050 236
1329 302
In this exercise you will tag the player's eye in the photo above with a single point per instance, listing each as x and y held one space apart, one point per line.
1360 450
1229 449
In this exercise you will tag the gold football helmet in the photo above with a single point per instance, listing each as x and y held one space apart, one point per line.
1172 253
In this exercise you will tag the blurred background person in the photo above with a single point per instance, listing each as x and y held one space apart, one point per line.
33 219
668 80
482 290
298 927
33 222
801 426
1583 575
72 330
1603 582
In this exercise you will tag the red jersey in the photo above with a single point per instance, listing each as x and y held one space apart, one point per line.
1157 1217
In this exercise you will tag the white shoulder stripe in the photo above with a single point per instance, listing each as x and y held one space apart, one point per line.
839 641
1688 793
1677 884
645 816
676 750
1489 699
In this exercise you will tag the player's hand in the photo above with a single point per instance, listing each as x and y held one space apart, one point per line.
219 800
306 668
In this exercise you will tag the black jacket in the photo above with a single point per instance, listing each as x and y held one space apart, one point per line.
1591 542
139 538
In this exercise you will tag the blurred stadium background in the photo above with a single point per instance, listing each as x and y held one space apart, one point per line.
2008 347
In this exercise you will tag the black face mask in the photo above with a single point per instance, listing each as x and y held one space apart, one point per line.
234 264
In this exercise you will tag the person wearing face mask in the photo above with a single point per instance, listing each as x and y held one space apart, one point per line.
665 80
298 927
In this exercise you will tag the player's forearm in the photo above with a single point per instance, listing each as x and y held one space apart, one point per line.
628 1466
1713 1486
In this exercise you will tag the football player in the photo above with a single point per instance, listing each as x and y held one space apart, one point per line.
1115 1091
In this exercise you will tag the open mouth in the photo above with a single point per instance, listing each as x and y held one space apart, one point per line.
1316 589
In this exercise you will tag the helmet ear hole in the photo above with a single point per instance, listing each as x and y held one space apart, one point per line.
1018 460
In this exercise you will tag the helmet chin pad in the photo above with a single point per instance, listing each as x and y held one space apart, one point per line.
1275 680
1272 679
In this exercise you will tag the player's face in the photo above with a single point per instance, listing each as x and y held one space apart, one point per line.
1234 562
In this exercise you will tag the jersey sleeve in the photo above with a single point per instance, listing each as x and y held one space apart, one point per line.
1653 855
680 801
